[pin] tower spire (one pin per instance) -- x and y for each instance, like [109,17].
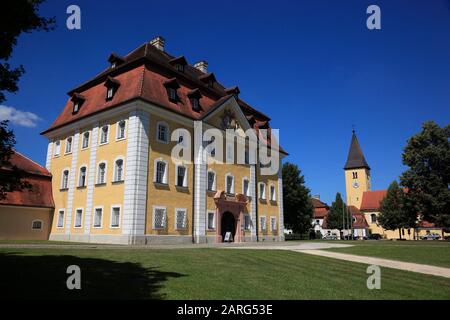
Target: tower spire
[355,158]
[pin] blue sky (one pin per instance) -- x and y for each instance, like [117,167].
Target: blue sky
[313,66]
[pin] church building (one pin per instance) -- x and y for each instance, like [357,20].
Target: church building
[115,179]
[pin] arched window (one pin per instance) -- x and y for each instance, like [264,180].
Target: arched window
[36,225]
[104,134]
[246,187]
[162,132]
[273,196]
[121,130]
[118,170]
[82,177]
[262,191]
[68,145]
[229,183]
[65,180]
[101,174]
[161,172]
[211,181]
[181,176]
[85,143]
[57,148]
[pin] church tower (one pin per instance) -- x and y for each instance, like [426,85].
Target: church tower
[357,174]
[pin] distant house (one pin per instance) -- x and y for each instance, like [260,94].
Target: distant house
[27,214]
[370,207]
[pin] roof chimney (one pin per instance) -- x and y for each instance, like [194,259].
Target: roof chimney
[202,66]
[158,43]
[316,196]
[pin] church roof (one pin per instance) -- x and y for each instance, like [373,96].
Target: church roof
[355,157]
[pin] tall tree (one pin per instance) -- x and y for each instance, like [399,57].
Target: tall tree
[339,215]
[298,209]
[393,213]
[11,178]
[427,154]
[17,16]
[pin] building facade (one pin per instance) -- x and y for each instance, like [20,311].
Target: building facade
[27,214]
[115,176]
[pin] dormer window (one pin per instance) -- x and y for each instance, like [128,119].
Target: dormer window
[194,97]
[179,67]
[208,78]
[172,94]
[77,100]
[111,85]
[178,63]
[115,60]
[172,86]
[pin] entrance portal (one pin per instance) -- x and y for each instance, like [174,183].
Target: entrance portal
[228,224]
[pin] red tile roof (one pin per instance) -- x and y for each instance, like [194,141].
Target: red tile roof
[371,200]
[40,194]
[142,75]
[360,221]
[318,204]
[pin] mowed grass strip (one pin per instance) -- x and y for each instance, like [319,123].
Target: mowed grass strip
[203,274]
[436,253]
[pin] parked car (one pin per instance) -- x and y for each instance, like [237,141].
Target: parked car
[374,236]
[431,236]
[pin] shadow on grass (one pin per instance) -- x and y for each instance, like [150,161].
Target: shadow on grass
[44,277]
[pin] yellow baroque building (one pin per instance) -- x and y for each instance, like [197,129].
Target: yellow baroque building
[115,179]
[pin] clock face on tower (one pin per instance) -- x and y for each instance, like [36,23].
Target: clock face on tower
[355,184]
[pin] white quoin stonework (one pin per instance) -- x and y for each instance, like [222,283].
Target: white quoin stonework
[199,185]
[72,176]
[48,162]
[91,179]
[252,187]
[135,198]
[280,203]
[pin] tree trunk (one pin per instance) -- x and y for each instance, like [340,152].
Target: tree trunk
[400,233]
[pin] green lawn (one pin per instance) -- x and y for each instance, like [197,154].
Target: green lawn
[202,274]
[426,252]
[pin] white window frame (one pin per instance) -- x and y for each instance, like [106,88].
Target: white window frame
[213,220]
[114,178]
[37,229]
[63,211]
[232,185]
[153,217]
[162,123]
[62,187]
[214,185]
[273,197]
[101,219]
[166,171]
[261,224]
[118,130]
[68,151]
[109,92]
[247,194]
[249,227]
[101,134]
[75,218]
[273,226]
[185,179]
[57,151]
[262,195]
[97,180]
[83,139]
[176,219]
[85,178]
[115,206]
